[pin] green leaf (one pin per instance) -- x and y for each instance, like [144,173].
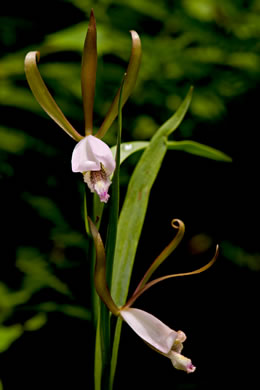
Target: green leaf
[115,352]
[136,201]
[72,310]
[133,213]
[128,148]
[38,273]
[35,322]
[12,141]
[199,150]
[98,358]
[8,334]
[43,96]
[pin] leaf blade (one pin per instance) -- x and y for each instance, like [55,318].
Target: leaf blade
[198,149]
[136,203]
[128,148]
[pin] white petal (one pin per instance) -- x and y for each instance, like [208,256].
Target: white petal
[102,153]
[89,153]
[83,159]
[150,329]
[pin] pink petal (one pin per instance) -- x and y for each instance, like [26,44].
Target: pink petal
[82,159]
[150,329]
[89,153]
[102,153]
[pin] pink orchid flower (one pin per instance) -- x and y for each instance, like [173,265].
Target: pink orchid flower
[152,331]
[91,156]
[158,336]
[94,159]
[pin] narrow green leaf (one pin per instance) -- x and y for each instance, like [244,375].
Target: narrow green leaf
[134,208]
[128,148]
[36,322]
[88,73]
[105,345]
[130,80]
[115,352]
[98,357]
[43,96]
[8,334]
[173,123]
[199,150]
[132,216]
[133,213]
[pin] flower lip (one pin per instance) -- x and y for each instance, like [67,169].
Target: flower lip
[98,182]
[180,362]
[150,329]
[90,153]
[158,336]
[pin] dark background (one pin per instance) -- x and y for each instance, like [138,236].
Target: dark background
[46,338]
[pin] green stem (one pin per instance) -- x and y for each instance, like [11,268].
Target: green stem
[114,206]
[97,212]
[105,345]
[86,212]
[116,342]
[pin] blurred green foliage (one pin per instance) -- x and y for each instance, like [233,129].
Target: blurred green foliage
[211,44]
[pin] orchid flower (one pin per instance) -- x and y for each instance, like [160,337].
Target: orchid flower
[94,159]
[158,336]
[150,329]
[91,156]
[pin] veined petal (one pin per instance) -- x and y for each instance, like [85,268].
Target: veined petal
[150,329]
[98,182]
[89,153]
